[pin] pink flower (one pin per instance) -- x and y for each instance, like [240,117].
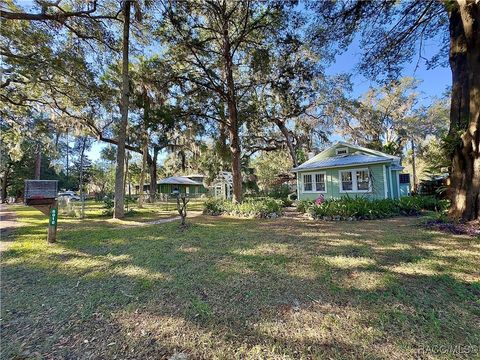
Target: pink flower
[319,200]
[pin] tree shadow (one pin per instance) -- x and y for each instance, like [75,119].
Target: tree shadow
[239,288]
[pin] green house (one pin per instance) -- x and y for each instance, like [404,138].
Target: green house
[182,184]
[349,170]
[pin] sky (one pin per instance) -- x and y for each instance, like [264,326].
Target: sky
[434,82]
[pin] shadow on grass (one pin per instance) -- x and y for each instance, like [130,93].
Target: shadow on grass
[245,288]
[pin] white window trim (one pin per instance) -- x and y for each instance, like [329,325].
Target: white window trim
[341,149]
[314,182]
[398,183]
[385,181]
[354,181]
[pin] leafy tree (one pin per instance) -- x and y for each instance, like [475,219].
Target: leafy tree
[392,34]
[294,97]
[379,117]
[214,44]
[102,180]
[269,166]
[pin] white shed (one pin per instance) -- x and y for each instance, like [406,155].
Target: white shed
[222,186]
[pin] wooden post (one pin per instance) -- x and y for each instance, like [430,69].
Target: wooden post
[52,222]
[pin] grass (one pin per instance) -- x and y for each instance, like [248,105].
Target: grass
[240,288]
[149,211]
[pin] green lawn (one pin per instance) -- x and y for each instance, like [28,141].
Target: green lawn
[149,212]
[240,288]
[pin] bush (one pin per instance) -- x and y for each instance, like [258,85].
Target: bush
[214,206]
[303,205]
[256,207]
[279,192]
[108,206]
[361,208]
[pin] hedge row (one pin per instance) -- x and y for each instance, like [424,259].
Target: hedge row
[258,208]
[362,208]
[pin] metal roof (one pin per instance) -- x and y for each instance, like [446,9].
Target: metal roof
[343,160]
[179,180]
[397,167]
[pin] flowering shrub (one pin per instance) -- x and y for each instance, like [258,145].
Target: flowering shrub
[320,200]
[258,208]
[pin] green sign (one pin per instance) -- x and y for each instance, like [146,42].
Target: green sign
[53,216]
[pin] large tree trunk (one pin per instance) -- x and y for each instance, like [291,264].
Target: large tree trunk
[414,166]
[152,165]
[236,163]
[125,178]
[5,183]
[465,110]
[68,163]
[38,162]
[82,198]
[286,133]
[232,118]
[119,210]
[144,167]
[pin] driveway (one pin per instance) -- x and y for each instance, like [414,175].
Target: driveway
[8,224]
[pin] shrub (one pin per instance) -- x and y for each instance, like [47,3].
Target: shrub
[279,192]
[363,208]
[303,205]
[213,206]
[108,206]
[256,207]
[292,196]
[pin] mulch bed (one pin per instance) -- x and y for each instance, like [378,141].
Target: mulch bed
[471,228]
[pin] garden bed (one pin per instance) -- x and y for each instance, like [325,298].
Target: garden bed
[353,209]
[470,228]
[251,208]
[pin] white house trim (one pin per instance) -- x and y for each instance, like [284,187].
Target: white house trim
[298,186]
[398,183]
[354,181]
[390,180]
[385,181]
[356,147]
[308,170]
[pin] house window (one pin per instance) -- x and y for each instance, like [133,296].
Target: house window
[320,182]
[342,151]
[404,178]
[307,182]
[347,181]
[363,180]
[314,182]
[357,180]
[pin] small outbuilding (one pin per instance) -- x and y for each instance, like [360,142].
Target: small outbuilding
[222,186]
[183,184]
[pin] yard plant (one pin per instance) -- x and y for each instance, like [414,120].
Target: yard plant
[253,207]
[361,208]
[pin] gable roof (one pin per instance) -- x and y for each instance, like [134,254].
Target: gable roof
[363,156]
[178,180]
[356,147]
[343,160]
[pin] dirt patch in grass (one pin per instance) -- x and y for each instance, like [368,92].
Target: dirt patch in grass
[470,228]
[240,288]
